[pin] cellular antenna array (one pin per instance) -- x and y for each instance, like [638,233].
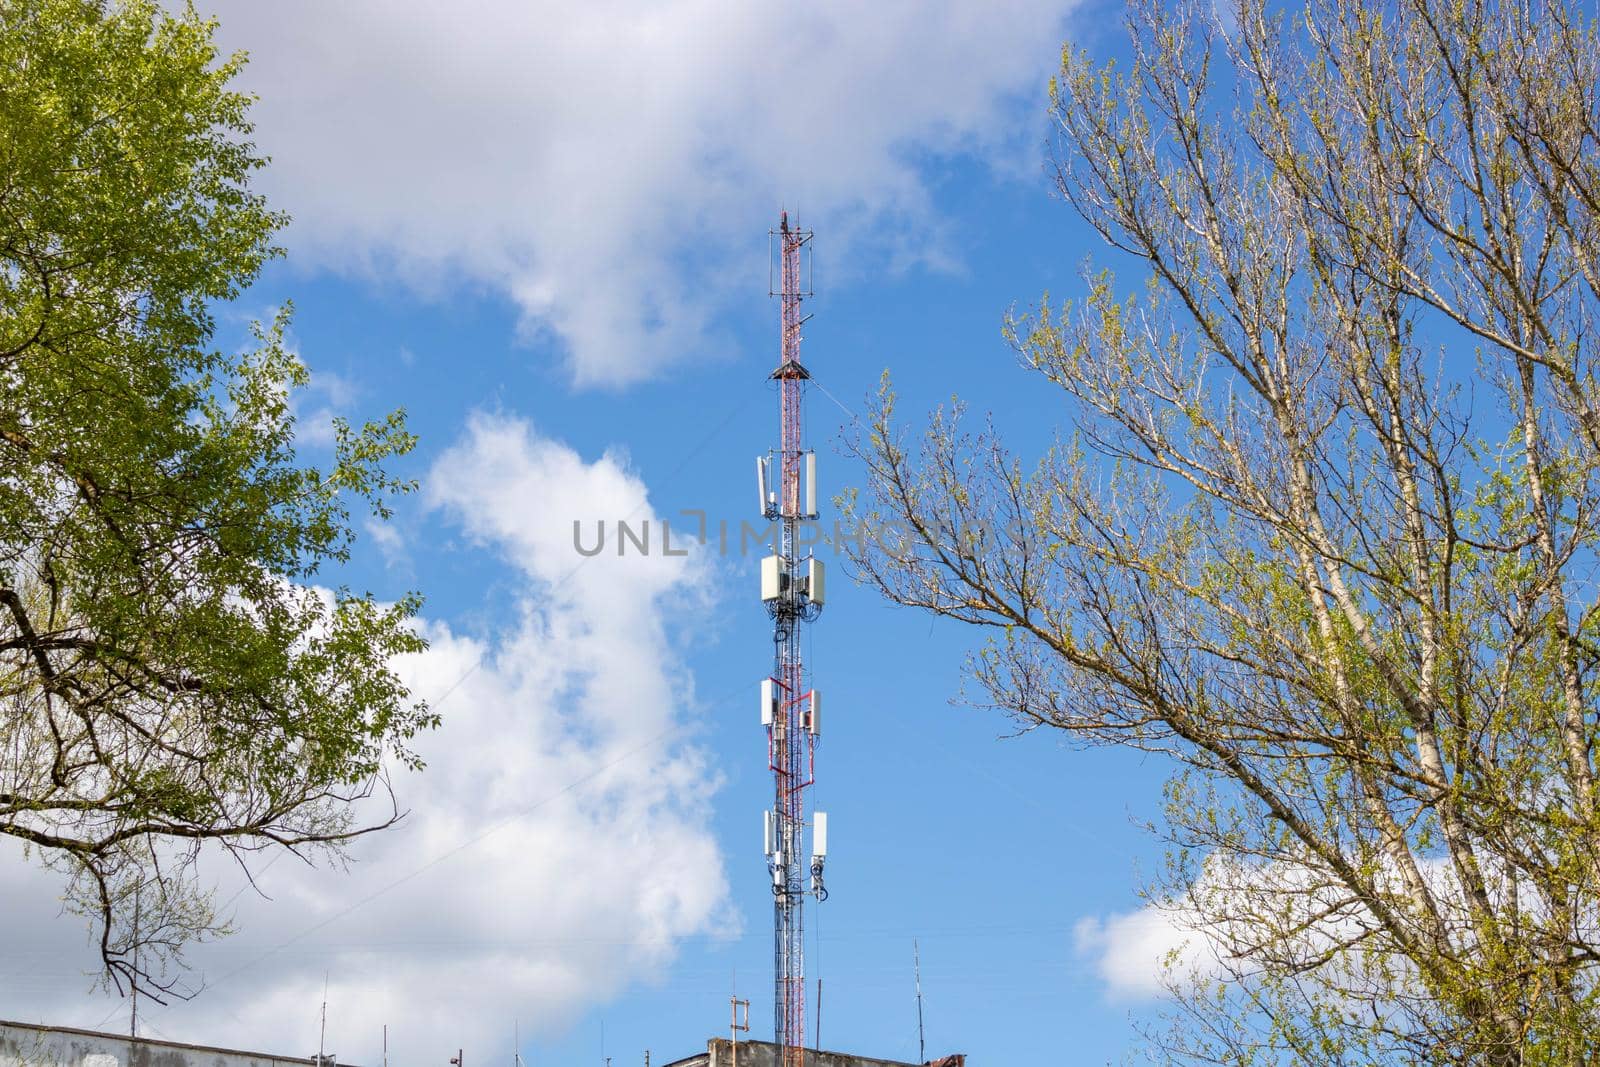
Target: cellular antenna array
[792,588]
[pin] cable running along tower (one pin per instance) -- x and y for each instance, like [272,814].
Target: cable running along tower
[793,591]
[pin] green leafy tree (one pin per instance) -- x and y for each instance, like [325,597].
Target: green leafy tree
[1325,530]
[171,678]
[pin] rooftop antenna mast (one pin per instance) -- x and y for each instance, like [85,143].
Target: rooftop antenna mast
[916,965]
[322,1028]
[792,590]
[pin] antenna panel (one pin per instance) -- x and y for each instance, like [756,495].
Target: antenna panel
[769,701]
[774,575]
[811,485]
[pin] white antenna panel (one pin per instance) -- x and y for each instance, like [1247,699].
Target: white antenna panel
[811,484]
[761,481]
[819,836]
[815,584]
[772,577]
[813,713]
[769,701]
[767,834]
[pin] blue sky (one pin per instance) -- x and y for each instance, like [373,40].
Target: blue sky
[566,290]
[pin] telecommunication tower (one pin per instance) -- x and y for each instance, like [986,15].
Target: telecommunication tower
[792,588]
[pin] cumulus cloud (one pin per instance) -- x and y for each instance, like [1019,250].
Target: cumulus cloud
[1133,951]
[610,166]
[326,397]
[557,847]
[1240,916]
[1232,907]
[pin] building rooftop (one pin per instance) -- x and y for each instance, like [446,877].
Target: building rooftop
[720,1053]
[31,1044]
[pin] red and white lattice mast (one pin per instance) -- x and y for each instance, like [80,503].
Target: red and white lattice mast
[792,590]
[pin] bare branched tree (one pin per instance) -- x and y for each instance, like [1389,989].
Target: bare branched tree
[1325,526]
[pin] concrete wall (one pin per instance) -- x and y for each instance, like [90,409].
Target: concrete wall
[719,1053]
[24,1045]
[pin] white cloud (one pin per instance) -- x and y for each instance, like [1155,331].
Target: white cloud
[390,542]
[1240,915]
[325,397]
[1133,950]
[557,849]
[610,166]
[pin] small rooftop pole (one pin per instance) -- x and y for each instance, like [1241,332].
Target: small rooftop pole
[916,965]
[817,1042]
[133,1020]
[322,1031]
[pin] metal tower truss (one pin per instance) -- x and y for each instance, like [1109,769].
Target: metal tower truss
[793,591]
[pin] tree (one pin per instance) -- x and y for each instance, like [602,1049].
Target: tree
[1325,529]
[172,681]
